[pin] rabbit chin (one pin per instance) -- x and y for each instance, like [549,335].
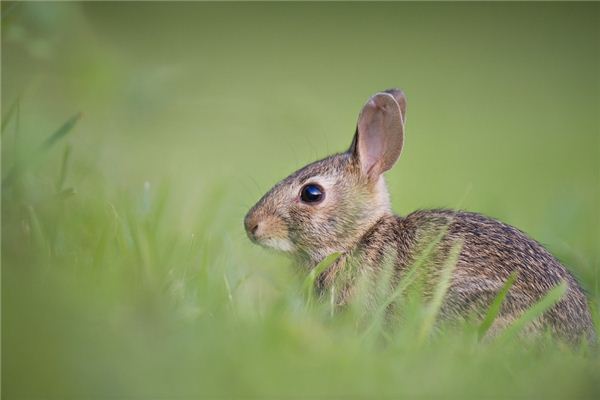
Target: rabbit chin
[279,244]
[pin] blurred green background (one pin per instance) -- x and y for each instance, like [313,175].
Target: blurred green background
[125,269]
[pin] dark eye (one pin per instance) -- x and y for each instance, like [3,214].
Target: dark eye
[312,193]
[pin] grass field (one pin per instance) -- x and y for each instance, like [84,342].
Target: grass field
[135,137]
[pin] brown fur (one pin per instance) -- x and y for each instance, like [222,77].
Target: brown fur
[355,220]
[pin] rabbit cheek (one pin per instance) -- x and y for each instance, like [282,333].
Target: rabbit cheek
[314,228]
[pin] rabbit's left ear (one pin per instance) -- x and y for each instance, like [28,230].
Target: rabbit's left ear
[380,132]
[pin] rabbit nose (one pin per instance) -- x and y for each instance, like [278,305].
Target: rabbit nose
[251,226]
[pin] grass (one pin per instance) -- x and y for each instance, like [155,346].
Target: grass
[125,269]
[494,308]
[105,299]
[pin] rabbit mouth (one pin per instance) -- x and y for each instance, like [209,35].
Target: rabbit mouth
[280,244]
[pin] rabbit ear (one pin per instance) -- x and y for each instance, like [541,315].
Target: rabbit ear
[380,132]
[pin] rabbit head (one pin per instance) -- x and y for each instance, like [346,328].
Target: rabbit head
[330,204]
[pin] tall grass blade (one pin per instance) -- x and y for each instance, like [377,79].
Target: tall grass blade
[64,167]
[309,281]
[441,289]
[37,232]
[426,254]
[407,280]
[332,301]
[32,159]
[550,299]
[494,308]
[61,132]
[384,289]
[141,247]
[14,109]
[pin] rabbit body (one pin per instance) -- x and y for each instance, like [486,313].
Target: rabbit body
[491,251]
[341,204]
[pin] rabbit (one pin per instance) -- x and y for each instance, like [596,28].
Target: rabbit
[340,204]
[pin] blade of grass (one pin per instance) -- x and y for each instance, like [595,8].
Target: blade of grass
[141,247]
[320,268]
[494,308]
[407,280]
[61,132]
[332,301]
[14,109]
[385,284]
[309,281]
[550,299]
[64,167]
[37,232]
[45,146]
[440,292]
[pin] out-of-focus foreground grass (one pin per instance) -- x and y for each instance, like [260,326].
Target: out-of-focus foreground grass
[125,269]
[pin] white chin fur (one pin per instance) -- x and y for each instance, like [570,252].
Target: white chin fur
[278,244]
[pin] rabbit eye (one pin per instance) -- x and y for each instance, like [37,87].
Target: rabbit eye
[312,193]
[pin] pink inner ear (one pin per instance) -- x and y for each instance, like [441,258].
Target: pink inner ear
[380,134]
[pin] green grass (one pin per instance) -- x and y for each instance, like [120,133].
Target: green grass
[126,272]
